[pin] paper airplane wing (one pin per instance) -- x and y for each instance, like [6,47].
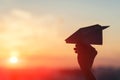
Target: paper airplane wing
[90,35]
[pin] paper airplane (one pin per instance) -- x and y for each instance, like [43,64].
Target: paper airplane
[90,35]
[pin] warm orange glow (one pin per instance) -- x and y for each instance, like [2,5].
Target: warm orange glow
[27,39]
[30,40]
[13,59]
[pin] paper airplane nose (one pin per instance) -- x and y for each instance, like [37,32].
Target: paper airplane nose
[104,27]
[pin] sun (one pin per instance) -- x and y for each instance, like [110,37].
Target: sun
[13,59]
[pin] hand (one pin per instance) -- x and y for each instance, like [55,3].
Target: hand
[84,48]
[80,48]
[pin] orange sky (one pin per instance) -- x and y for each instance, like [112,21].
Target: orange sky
[36,37]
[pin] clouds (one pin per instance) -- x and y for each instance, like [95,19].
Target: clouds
[24,30]
[29,34]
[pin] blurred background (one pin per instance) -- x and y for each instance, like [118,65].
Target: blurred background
[32,34]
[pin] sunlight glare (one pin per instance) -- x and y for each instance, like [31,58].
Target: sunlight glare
[13,59]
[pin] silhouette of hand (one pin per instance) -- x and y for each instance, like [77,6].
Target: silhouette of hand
[86,55]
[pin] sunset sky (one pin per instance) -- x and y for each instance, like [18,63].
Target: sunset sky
[32,32]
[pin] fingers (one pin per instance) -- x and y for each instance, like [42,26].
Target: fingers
[77,48]
[76,51]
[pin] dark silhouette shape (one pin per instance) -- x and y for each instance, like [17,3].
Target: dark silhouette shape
[86,54]
[83,38]
[89,35]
